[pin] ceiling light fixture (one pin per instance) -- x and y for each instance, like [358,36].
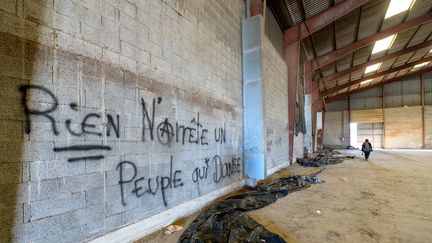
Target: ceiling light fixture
[383,44]
[372,68]
[397,6]
[366,81]
[421,64]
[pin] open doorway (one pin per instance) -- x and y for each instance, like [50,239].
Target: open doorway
[353,134]
[371,131]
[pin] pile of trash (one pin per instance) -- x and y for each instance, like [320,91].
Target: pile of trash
[226,221]
[323,157]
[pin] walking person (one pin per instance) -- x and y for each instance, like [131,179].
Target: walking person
[366,149]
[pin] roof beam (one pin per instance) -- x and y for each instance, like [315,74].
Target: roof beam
[339,53]
[376,75]
[400,78]
[348,71]
[319,21]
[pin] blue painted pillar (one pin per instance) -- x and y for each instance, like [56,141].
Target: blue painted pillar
[253,100]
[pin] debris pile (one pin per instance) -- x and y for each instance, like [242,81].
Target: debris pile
[226,221]
[323,157]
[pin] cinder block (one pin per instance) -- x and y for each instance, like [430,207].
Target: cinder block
[41,170]
[81,183]
[130,93]
[113,104]
[75,235]
[91,50]
[11,130]
[51,238]
[72,219]
[45,189]
[98,227]
[93,166]
[11,23]
[10,66]
[91,34]
[128,36]
[113,89]
[111,162]
[93,99]
[33,10]
[8,6]
[14,194]
[113,177]
[128,22]
[111,36]
[45,208]
[114,202]
[110,12]
[95,196]
[128,8]
[133,134]
[133,215]
[10,216]
[161,64]
[25,171]
[66,24]
[128,63]
[38,151]
[91,18]
[95,213]
[36,230]
[94,6]
[131,106]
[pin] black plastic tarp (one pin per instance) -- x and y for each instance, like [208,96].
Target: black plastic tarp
[226,221]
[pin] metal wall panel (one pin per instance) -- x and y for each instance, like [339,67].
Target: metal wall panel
[369,99]
[411,91]
[393,95]
[339,105]
[403,93]
[375,92]
[428,88]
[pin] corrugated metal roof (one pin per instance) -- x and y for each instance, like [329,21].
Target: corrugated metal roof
[357,25]
[291,12]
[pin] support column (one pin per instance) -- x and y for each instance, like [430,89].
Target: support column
[253,101]
[291,56]
[423,109]
[308,111]
[383,114]
[316,107]
[257,7]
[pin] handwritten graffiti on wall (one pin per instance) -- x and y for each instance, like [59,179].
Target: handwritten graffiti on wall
[165,132]
[86,125]
[172,180]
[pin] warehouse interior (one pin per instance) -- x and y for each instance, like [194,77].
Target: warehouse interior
[215,121]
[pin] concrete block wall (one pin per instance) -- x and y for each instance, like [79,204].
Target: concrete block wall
[427,123]
[403,127]
[114,110]
[298,145]
[275,76]
[336,129]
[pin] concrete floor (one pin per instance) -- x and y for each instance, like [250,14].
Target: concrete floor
[387,199]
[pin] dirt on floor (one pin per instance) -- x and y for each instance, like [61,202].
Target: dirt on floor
[387,199]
